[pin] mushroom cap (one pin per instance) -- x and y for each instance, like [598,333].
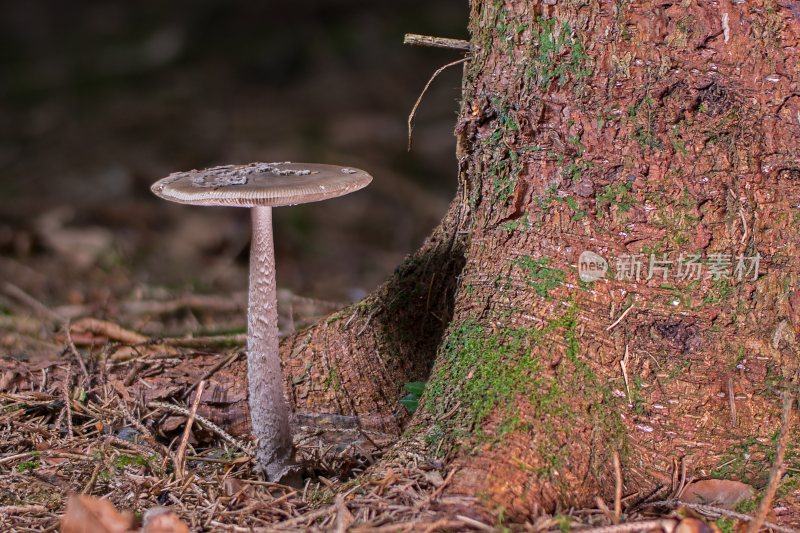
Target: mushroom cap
[260,184]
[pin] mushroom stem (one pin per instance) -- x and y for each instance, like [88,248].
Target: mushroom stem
[269,412]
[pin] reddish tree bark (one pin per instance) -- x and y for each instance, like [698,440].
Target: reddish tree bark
[619,128]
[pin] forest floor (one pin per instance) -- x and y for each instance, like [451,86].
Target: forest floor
[89,406]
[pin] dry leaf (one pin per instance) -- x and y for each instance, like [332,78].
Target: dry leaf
[121,389]
[171,423]
[237,490]
[231,486]
[719,492]
[86,514]
[107,329]
[694,525]
[162,520]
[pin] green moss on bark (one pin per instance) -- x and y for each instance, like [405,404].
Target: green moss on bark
[499,374]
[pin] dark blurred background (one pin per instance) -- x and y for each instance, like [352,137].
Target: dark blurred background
[100,99]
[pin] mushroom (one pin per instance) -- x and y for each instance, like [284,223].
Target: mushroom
[262,186]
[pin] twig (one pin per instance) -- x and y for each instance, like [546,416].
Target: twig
[732,401]
[778,466]
[180,456]
[435,494]
[146,434]
[624,365]
[621,317]
[34,304]
[93,479]
[207,423]
[617,488]
[12,458]
[682,483]
[419,100]
[369,439]
[443,524]
[474,523]
[437,42]
[303,518]
[744,224]
[267,484]
[201,459]
[22,509]
[374,312]
[67,402]
[133,373]
[76,354]
[667,524]
[138,448]
[115,332]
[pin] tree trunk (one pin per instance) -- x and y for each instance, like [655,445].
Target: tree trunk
[619,128]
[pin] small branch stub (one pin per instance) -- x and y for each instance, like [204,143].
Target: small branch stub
[437,42]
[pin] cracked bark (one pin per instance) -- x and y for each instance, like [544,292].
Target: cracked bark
[619,128]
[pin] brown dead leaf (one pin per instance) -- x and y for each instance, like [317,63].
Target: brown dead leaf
[86,514]
[171,423]
[719,492]
[121,389]
[233,487]
[107,329]
[162,520]
[695,525]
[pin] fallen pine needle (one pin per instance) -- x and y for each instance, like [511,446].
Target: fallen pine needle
[437,492]
[22,509]
[666,524]
[620,319]
[207,423]
[180,456]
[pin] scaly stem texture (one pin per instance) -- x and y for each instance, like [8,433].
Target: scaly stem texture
[268,409]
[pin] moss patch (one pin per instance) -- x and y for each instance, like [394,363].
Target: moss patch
[487,372]
[556,54]
[540,277]
[750,461]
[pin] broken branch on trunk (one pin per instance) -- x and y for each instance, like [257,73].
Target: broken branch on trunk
[437,42]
